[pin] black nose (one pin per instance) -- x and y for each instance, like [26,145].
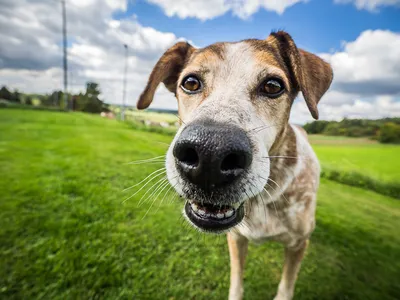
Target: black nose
[209,154]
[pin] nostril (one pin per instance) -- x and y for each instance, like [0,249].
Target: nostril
[234,161]
[188,156]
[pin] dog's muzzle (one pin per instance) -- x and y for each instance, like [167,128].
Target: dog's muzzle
[212,158]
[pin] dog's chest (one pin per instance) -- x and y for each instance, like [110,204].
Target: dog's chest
[263,223]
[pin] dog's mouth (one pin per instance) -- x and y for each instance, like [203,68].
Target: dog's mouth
[214,218]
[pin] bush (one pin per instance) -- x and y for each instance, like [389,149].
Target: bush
[316,127]
[28,100]
[391,189]
[358,128]
[390,133]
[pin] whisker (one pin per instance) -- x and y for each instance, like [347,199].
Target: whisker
[265,204]
[180,119]
[145,160]
[162,143]
[162,200]
[283,194]
[277,214]
[163,185]
[273,201]
[261,128]
[155,198]
[159,183]
[143,187]
[150,162]
[146,178]
[282,156]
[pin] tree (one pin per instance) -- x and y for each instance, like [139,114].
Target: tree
[316,127]
[28,100]
[90,102]
[5,94]
[17,96]
[390,133]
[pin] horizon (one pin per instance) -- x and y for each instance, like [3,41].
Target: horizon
[361,40]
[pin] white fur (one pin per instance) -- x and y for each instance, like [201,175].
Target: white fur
[227,101]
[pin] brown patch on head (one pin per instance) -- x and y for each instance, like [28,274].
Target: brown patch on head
[308,73]
[268,54]
[166,70]
[203,64]
[217,49]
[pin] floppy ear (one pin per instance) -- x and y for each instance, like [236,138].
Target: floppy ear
[167,70]
[310,74]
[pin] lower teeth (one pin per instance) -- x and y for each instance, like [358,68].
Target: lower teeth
[219,215]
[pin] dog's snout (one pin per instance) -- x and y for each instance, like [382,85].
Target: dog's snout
[211,155]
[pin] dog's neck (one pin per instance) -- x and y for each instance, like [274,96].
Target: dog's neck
[283,153]
[286,139]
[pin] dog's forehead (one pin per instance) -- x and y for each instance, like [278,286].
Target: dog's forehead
[251,51]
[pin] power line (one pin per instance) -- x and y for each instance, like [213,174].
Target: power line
[65,58]
[124,83]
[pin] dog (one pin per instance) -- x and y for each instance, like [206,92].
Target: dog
[242,168]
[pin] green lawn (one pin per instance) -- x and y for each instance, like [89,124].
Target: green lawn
[65,233]
[152,116]
[378,161]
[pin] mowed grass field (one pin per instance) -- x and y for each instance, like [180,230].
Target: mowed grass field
[65,232]
[378,161]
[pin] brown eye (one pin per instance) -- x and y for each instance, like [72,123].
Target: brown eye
[191,84]
[272,88]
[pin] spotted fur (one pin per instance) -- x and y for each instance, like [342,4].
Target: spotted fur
[279,190]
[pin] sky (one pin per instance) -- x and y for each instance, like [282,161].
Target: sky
[360,38]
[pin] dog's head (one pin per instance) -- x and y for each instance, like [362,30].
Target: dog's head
[234,102]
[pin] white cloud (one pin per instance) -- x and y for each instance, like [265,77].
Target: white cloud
[366,80]
[367,70]
[245,8]
[370,65]
[381,107]
[209,9]
[371,5]
[201,9]
[31,54]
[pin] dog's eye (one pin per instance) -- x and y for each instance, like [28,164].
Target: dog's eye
[191,84]
[272,87]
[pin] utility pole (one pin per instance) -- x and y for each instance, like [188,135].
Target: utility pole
[65,62]
[124,83]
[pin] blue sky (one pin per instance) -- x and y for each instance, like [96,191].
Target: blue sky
[359,38]
[318,25]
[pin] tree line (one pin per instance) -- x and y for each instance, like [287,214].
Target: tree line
[385,130]
[87,102]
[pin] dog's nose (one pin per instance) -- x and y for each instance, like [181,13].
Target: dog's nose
[209,155]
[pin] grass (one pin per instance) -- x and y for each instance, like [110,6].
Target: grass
[64,233]
[376,160]
[153,116]
[360,162]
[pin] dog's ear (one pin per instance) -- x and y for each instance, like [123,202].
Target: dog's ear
[167,70]
[310,74]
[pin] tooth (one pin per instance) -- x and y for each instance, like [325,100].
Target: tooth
[202,213]
[220,215]
[194,206]
[236,205]
[229,213]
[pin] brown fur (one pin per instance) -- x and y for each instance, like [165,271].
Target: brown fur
[309,73]
[167,70]
[293,180]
